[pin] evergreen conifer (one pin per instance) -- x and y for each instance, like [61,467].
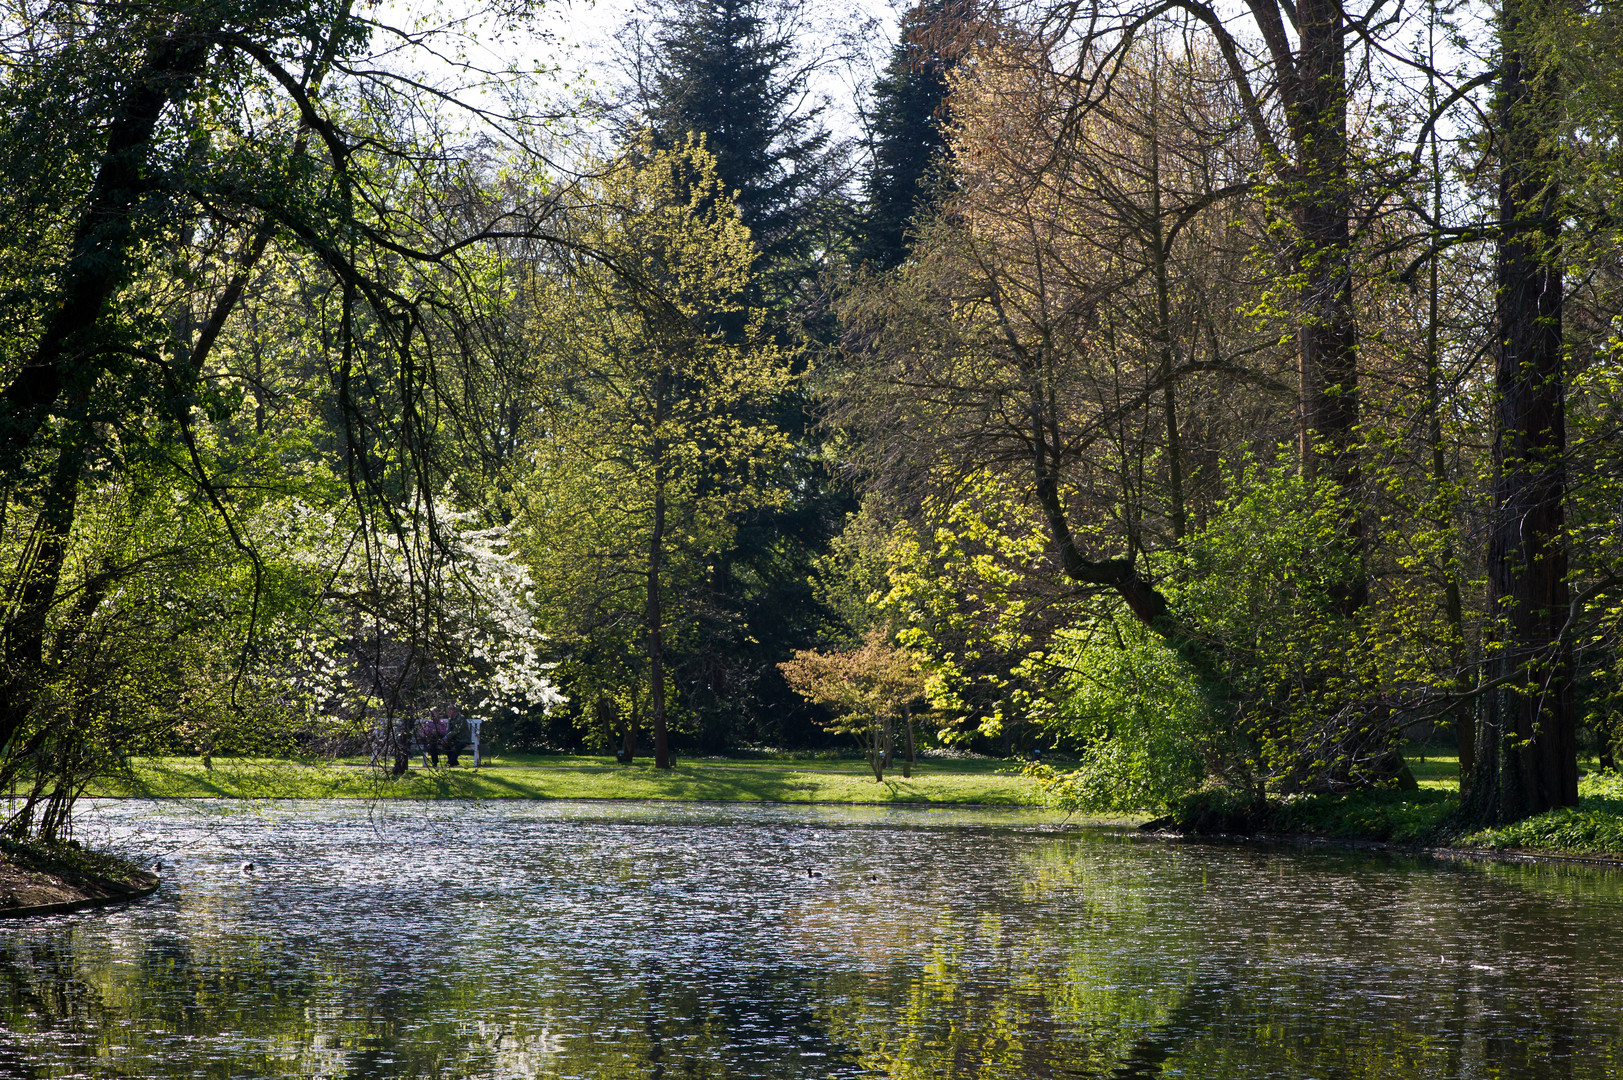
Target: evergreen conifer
[906,125]
[725,70]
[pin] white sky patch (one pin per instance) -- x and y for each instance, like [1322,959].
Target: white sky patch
[566,54]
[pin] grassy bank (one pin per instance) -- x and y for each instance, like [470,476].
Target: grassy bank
[39,877]
[1594,828]
[982,782]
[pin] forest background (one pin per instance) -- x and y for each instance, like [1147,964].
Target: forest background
[1212,394]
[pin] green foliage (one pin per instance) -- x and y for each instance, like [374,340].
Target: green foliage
[1123,698]
[725,75]
[869,689]
[908,119]
[956,592]
[978,783]
[1264,580]
[1398,817]
[1593,827]
[647,437]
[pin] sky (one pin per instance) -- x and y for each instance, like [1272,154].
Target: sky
[575,39]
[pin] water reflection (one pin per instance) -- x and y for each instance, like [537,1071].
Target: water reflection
[594,940]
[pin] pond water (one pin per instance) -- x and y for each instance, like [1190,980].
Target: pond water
[633,940]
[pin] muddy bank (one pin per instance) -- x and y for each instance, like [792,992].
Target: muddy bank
[38,879]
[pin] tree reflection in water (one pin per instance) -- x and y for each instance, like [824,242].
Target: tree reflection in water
[616,941]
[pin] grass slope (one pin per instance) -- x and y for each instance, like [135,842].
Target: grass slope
[43,875]
[991,783]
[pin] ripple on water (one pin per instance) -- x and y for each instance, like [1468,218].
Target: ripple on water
[602,939]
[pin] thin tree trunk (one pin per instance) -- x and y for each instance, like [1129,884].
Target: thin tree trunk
[607,713]
[41,573]
[1454,611]
[1526,743]
[1147,603]
[628,745]
[655,613]
[907,765]
[1163,337]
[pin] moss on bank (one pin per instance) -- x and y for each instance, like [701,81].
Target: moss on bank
[982,782]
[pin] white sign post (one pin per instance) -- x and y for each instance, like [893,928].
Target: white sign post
[473,729]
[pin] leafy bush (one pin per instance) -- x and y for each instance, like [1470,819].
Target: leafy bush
[1123,697]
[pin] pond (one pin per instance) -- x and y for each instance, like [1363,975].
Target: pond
[648,940]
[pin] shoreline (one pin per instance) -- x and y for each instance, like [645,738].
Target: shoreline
[63,878]
[1451,852]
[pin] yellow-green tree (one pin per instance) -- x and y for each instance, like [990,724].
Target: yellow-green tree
[649,435]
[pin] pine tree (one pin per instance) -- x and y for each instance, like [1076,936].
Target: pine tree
[906,123]
[724,70]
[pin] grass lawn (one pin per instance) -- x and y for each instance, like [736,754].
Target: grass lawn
[1593,828]
[981,782]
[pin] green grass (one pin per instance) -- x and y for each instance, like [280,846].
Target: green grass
[1593,827]
[992,783]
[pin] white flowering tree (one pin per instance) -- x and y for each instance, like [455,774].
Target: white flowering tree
[433,610]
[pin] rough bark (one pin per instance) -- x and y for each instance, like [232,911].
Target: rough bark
[1526,740]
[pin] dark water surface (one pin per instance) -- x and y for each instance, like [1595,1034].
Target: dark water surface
[636,940]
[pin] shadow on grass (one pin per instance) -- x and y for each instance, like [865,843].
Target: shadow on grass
[169,778]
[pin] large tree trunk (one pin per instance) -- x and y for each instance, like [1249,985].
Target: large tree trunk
[1327,341]
[1526,746]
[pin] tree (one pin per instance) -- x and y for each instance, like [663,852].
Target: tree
[1027,335]
[726,72]
[870,689]
[732,74]
[647,437]
[159,157]
[1526,740]
[907,120]
[1297,114]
